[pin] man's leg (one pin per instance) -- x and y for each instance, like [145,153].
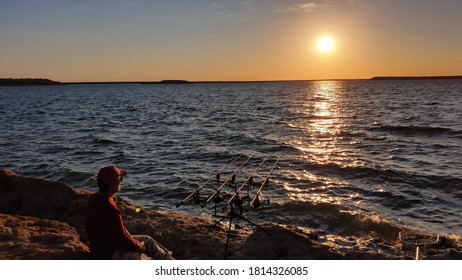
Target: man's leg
[154,249]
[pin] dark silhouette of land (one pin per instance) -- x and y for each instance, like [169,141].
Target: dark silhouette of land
[27,82]
[282,81]
[416,77]
[47,82]
[169,82]
[163,82]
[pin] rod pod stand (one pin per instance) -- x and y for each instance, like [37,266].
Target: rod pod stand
[232,215]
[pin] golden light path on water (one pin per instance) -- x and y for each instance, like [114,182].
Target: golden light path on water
[323,119]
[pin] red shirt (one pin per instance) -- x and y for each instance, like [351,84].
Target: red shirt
[105,229]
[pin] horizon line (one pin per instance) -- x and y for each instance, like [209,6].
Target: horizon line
[179,81]
[166,81]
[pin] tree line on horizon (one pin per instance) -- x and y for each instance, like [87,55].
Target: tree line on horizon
[27,82]
[46,82]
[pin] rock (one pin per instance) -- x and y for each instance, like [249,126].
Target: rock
[41,219]
[30,196]
[24,237]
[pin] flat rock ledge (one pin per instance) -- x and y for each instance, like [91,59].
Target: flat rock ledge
[41,219]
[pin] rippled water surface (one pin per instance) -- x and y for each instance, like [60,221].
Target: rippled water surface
[351,154]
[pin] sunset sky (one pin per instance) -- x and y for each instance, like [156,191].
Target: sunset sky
[220,40]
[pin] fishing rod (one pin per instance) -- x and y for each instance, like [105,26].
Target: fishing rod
[236,193]
[265,182]
[216,175]
[232,176]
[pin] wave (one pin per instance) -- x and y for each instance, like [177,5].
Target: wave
[446,183]
[86,152]
[417,130]
[104,141]
[334,219]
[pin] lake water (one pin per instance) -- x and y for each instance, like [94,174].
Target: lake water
[353,155]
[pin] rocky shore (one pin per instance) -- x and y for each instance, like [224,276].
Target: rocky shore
[42,219]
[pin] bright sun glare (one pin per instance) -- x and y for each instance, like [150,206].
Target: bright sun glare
[326,44]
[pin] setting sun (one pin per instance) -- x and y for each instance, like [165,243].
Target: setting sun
[326,44]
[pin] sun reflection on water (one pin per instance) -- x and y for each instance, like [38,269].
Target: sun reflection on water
[322,123]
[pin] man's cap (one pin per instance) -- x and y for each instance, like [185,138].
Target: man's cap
[109,174]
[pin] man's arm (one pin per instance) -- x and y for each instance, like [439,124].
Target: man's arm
[122,236]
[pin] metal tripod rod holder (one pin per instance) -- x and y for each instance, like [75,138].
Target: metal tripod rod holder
[216,175]
[236,193]
[265,182]
[232,215]
[227,180]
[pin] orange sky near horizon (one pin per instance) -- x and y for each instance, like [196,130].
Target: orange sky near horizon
[205,40]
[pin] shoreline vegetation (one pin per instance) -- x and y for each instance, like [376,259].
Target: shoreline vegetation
[48,82]
[28,82]
[42,219]
[416,78]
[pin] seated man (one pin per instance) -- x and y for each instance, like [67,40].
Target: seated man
[105,229]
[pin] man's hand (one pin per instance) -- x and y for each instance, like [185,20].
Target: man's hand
[141,247]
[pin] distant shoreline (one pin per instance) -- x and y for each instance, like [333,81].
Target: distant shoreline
[416,78]
[47,82]
[28,82]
